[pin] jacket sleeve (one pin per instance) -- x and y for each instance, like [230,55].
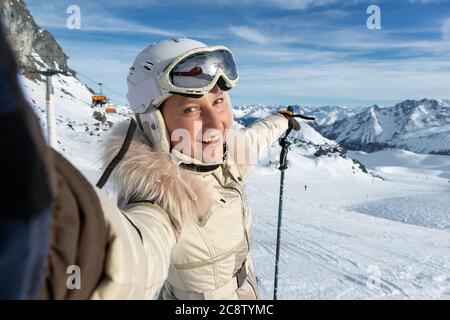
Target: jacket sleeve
[26,188]
[140,240]
[251,143]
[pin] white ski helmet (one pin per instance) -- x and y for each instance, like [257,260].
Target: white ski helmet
[146,95]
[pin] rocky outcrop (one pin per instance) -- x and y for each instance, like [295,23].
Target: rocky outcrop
[35,48]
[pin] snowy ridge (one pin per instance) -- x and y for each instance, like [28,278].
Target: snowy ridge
[246,115]
[324,115]
[420,126]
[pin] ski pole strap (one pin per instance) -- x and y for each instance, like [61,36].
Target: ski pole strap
[304,117]
[120,155]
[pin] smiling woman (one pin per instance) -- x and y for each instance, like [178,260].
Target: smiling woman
[182,226]
[180,184]
[197,126]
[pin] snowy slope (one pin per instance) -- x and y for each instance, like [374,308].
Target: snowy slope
[351,235]
[79,133]
[308,134]
[420,126]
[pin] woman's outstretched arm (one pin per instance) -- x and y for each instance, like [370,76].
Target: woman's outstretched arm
[249,144]
[60,237]
[140,240]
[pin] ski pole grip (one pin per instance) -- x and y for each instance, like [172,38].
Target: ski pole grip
[283,155]
[283,162]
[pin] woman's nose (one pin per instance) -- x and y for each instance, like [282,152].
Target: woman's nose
[212,119]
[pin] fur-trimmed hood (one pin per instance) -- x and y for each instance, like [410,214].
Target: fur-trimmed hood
[144,174]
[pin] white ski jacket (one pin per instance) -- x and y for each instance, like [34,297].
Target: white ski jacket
[179,233]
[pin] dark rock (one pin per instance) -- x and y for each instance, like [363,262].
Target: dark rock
[99,116]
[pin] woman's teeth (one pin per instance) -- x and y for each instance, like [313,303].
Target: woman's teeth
[211,139]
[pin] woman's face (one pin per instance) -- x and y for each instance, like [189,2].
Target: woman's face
[197,126]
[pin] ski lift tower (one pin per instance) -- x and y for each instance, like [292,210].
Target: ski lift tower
[49,103]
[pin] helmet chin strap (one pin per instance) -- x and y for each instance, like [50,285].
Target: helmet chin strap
[177,159]
[186,160]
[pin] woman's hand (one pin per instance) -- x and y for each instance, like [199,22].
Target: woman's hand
[293,124]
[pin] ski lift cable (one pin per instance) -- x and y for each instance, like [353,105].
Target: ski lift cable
[103,86]
[83,75]
[43,72]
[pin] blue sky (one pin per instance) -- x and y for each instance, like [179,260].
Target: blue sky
[307,52]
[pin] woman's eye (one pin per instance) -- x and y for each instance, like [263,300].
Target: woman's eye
[219,101]
[190,110]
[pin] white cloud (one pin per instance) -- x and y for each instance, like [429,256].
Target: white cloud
[425,1]
[390,80]
[281,4]
[94,18]
[296,59]
[113,24]
[95,22]
[250,34]
[292,4]
[302,4]
[357,39]
[446,29]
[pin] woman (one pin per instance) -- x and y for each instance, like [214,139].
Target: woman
[185,222]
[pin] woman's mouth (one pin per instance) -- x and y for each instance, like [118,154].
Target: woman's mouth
[211,141]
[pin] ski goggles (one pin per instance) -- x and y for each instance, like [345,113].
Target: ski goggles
[197,71]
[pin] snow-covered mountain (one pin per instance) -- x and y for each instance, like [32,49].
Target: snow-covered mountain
[324,115]
[420,126]
[246,115]
[307,143]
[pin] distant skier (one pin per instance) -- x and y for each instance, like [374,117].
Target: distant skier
[306,187]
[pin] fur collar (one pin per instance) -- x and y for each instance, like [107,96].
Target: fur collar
[147,175]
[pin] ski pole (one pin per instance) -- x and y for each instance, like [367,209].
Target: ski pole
[284,143]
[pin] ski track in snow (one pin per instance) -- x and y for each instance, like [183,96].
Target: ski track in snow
[430,211]
[351,248]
